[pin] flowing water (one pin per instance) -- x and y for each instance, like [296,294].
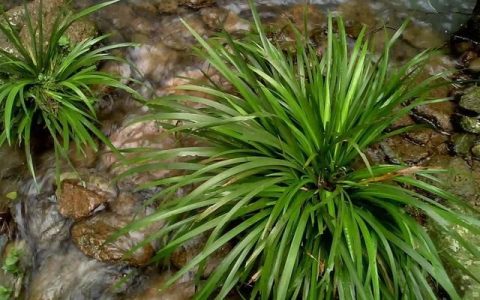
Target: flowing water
[54,266]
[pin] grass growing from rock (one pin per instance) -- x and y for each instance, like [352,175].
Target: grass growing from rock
[48,84]
[277,180]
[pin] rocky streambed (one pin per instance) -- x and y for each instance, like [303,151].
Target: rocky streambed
[56,238]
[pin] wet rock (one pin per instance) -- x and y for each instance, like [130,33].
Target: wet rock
[422,37]
[85,159]
[122,14]
[462,143]
[438,114]
[177,36]
[474,65]
[399,150]
[78,199]
[41,224]
[183,289]
[124,205]
[281,31]
[68,274]
[427,137]
[357,13]
[192,248]
[154,61]
[463,181]
[77,202]
[91,235]
[470,124]
[235,24]
[214,17]
[471,99]
[80,31]
[166,6]
[145,134]
[196,4]
[476,150]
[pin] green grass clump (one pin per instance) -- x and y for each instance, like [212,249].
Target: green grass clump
[277,180]
[46,84]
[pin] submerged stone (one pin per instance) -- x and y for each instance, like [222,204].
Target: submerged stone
[91,237]
[462,143]
[470,124]
[471,99]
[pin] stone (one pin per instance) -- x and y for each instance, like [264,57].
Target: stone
[78,199]
[197,4]
[399,150]
[176,36]
[470,124]
[91,235]
[470,100]
[77,202]
[214,17]
[474,65]
[80,31]
[437,114]
[428,137]
[462,143]
[166,6]
[82,160]
[476,150]
[41,223]
[422,37]
[357,13]
[234,24]
[154,62]
[124,205]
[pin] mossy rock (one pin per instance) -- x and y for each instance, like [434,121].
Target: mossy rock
[461,181]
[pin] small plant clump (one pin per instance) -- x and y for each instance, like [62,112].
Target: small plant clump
[277,180]
[46,84]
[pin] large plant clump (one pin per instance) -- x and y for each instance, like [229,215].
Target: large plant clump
[48,84]
[277,180]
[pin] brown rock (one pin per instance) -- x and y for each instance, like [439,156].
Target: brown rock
[235,24]
[176,36]
[357,13]
[474,65]
[166,6]
[76,201]
[124,205]
[214,17]
[91,235]
[196,4]
[422,37]
[84,159]
[399,150]
[439,114]
[427,137]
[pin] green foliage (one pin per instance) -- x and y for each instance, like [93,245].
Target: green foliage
[12,262]
[277,180]
[5,293]
[48,85]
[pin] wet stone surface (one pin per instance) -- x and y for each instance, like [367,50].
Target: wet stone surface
[91,237]
[94,267]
